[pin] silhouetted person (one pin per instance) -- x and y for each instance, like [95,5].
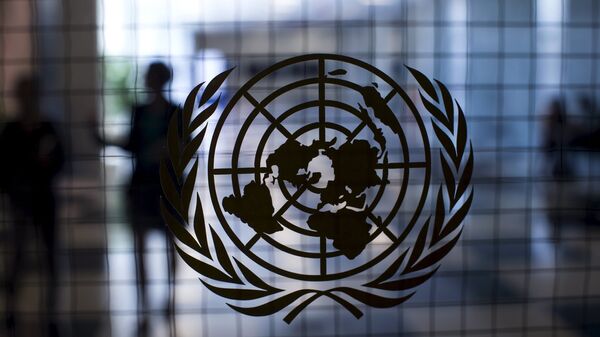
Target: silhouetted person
[556,139]
[587,140]
[146,142]
[32,156]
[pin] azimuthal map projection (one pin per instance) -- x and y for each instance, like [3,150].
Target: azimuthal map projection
[318,170]
[342,179]
[320,184]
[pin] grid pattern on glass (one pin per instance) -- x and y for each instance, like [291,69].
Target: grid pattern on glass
[528,261]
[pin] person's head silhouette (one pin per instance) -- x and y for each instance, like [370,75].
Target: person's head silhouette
[157,76]
[28,94]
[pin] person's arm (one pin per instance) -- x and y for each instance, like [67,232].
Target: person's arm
[126,144]
[132,143]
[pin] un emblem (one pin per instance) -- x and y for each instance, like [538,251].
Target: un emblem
[324,180]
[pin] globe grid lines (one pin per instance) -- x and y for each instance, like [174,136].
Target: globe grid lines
[276,123]
[292,199]
[350,136]
[258,170]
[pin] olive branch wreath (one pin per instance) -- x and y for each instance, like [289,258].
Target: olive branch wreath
[413,266]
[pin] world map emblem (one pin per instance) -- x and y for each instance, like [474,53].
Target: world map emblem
[322,178]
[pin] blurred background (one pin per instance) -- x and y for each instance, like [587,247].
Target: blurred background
[526,73]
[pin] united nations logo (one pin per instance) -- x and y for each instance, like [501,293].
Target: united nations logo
[324,180]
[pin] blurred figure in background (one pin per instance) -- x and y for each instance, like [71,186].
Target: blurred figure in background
[147,139]
[556,138]
[587,141]
[557,135]
[564,143]
[32,156]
